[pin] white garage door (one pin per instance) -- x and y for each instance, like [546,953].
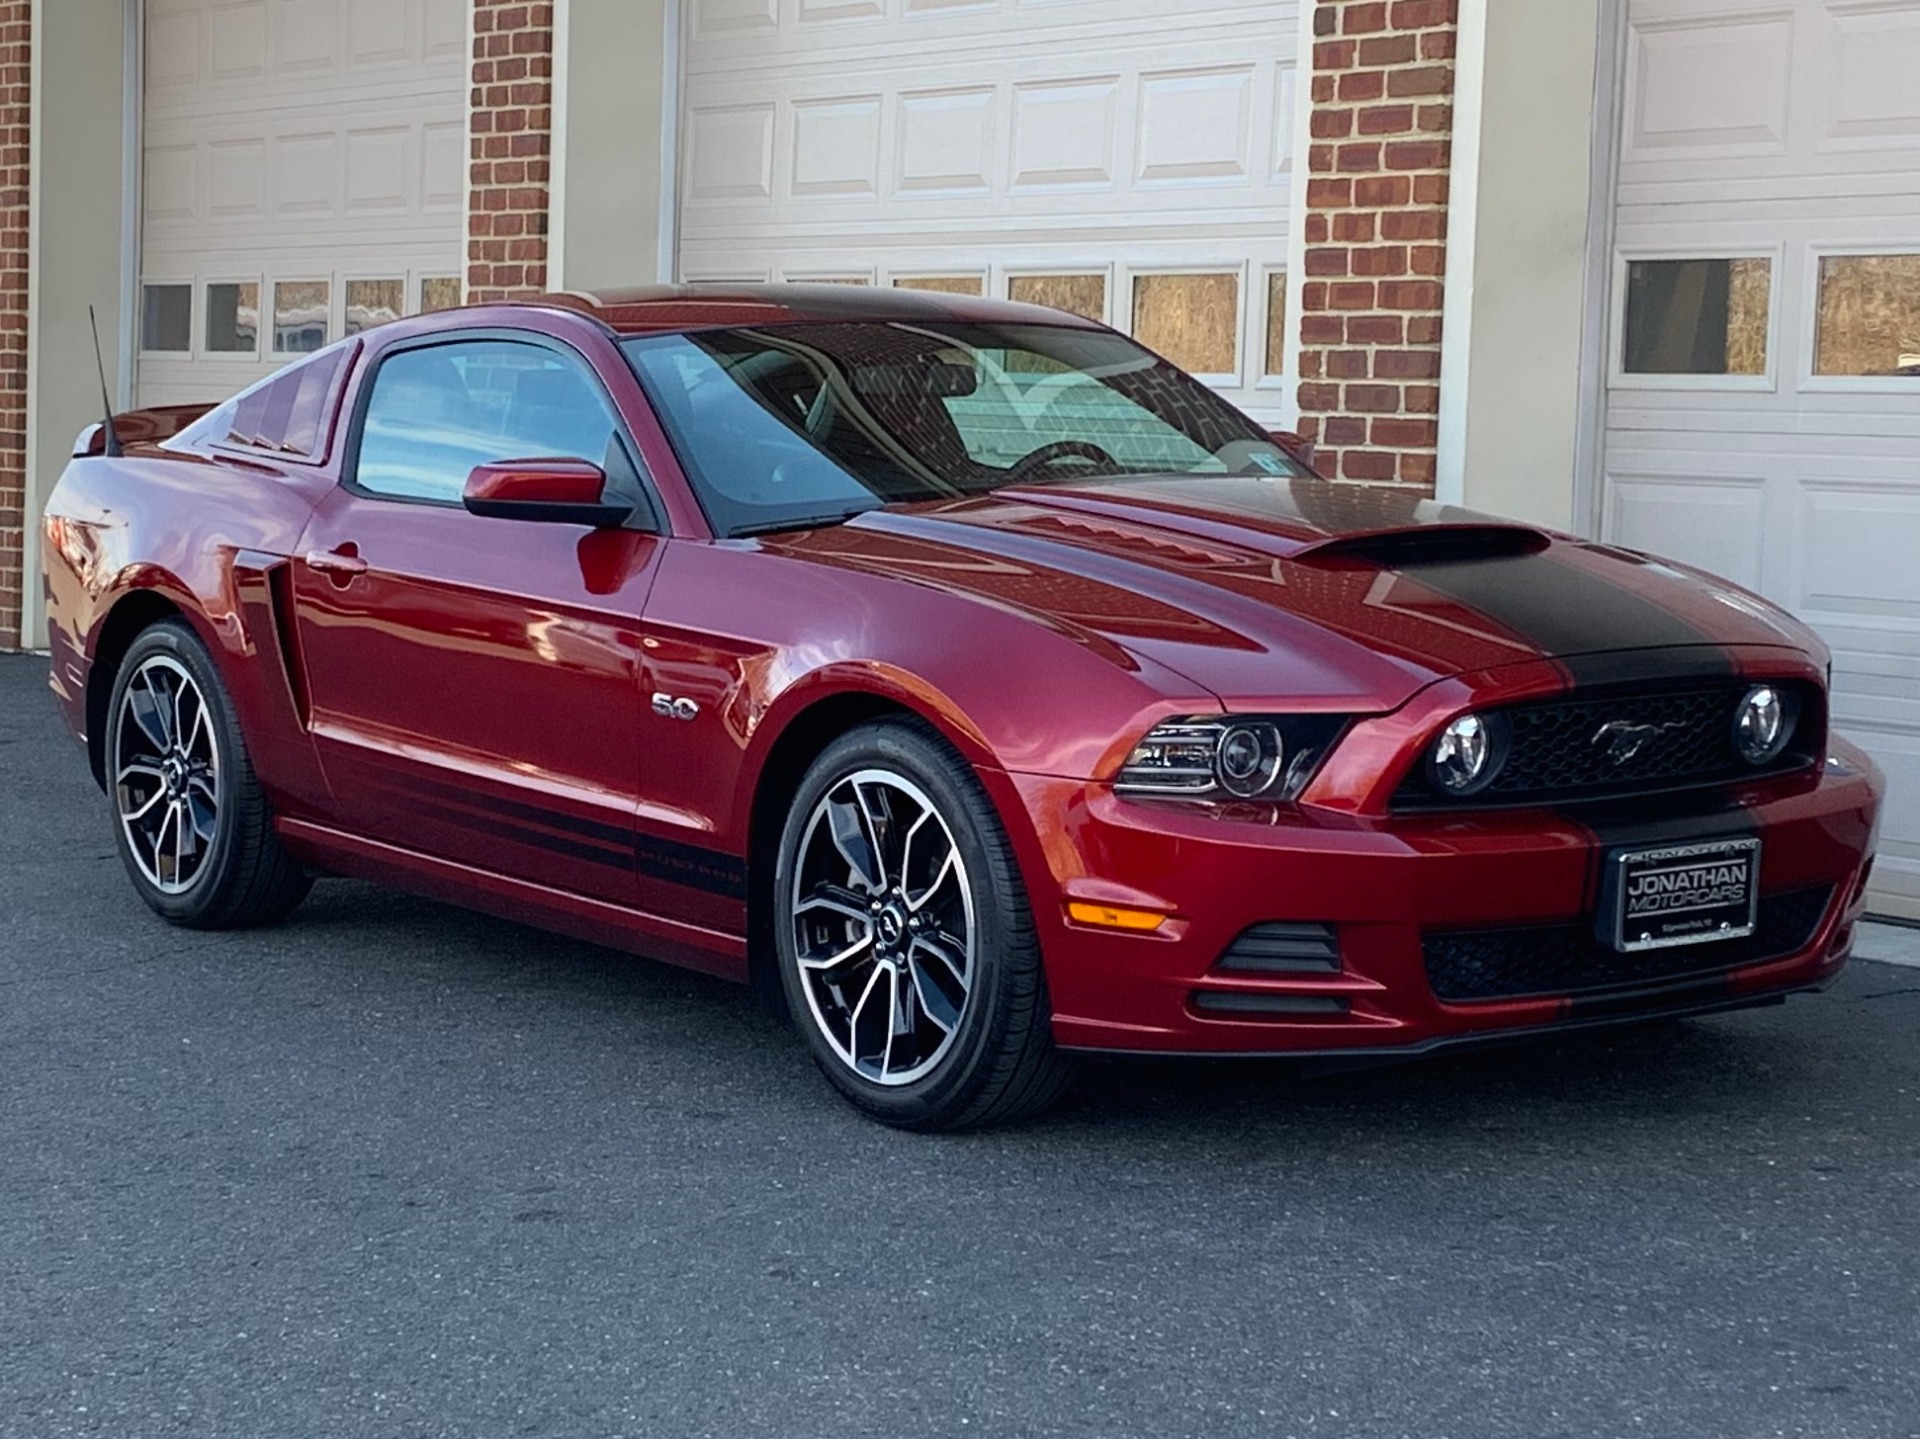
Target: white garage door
[304,166]
[1764,411]
[1130,159]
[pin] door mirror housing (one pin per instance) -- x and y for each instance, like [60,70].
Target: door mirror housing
[558,491]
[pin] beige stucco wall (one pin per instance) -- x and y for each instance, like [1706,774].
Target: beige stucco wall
[77,251]
[1518,256]
[612,128]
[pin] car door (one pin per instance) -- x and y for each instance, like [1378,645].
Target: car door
[473,681]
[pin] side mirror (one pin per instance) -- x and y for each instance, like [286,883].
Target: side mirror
[559,491]
[1298,448]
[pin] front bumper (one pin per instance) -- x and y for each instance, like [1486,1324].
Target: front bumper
[1385,887]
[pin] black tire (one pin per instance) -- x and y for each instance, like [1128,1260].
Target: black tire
[998,1062]
[240,877]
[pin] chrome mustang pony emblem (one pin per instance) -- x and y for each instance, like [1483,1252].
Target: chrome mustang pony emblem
[1624,741]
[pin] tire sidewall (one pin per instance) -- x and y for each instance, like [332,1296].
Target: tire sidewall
[997,897]
[174,640]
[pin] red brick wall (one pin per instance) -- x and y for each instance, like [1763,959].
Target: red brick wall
[510,120]
[1376,224]
[16,116]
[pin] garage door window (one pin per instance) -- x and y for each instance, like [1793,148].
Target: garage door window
[166,319]
[1192,320]
[439,292]
[300,316]
[941,284]
[233,318]
[1697,317]
[1276,323]
[438,413]
[1083,295]
[1869,321]
[374,302]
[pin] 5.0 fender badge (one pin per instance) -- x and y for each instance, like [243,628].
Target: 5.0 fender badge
[668,707]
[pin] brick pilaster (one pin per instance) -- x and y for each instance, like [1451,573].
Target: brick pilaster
[16,118]
[510,122]
[1376,231]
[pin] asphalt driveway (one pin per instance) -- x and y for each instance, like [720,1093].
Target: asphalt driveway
[393,1169]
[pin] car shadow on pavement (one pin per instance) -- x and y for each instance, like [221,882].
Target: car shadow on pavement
[1688,1069]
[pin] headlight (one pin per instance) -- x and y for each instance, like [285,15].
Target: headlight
[1231,757]
[1763,724]
[1468,755]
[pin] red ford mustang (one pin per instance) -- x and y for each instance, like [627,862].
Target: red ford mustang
[959,672]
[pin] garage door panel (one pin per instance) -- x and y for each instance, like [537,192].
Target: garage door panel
[723,19]
[729,153]
[309,36]
[236,178]
[379,170]
[836,147]
[377,32]
[1897,870]
[239,42]
[1064,134]
[1195,127]
[818,12]
[1860,552]
[1719,525]
[297,140]
[174,50]
[945,142]
[983,143]
[1791,128]
[1874,100]
[443,165]
[1712,82]
[446,29]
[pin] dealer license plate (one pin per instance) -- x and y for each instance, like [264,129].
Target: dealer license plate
[1685,894]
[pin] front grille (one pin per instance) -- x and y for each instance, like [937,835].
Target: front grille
[1464,966]
[1555,752]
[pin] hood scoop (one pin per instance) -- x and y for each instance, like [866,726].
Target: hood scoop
[1417,545]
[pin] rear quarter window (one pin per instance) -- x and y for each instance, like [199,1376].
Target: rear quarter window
[288,415]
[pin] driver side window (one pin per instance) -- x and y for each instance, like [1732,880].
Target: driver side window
[438,412]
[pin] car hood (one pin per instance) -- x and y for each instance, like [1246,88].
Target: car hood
[1306,590]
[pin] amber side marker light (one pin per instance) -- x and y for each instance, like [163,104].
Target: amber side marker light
[1104,916]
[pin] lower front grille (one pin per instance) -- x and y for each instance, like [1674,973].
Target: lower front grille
[1464,966]
[1279,948]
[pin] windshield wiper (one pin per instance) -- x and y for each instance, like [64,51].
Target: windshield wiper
[800,522]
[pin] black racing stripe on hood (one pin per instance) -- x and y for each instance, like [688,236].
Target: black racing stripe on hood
[1574,616]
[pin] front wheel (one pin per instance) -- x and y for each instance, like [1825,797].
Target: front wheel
[906,943]
[192,826]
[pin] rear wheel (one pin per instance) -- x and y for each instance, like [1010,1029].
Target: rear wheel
[907,948]
[191,824]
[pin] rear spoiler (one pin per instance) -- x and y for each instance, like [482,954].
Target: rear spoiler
[1428,544]
[139,427]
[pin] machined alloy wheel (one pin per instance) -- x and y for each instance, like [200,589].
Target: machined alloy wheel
[166,779]
[192,823]
[883,928]
[907,948]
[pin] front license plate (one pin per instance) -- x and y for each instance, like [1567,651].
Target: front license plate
[1685,894]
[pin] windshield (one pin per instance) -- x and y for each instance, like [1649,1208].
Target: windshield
[800,424]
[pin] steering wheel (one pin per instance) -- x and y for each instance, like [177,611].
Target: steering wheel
[1054,453]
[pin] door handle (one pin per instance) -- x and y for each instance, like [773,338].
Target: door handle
[339,565]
